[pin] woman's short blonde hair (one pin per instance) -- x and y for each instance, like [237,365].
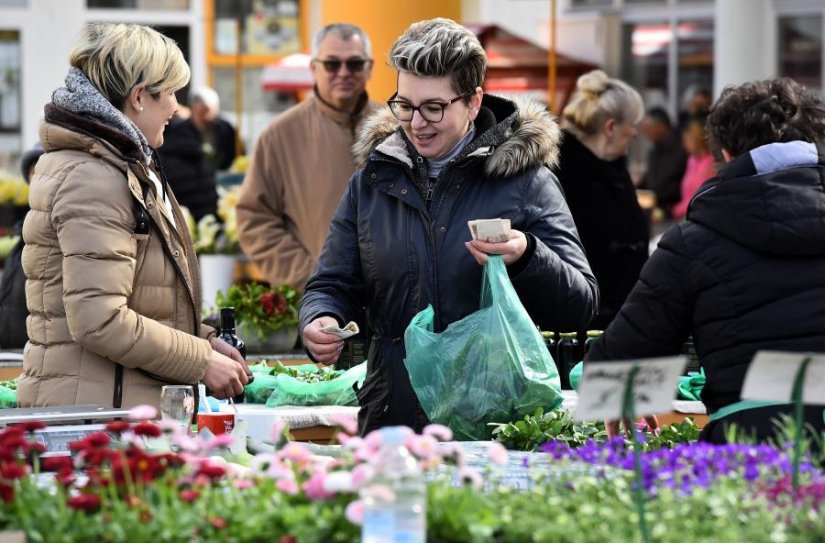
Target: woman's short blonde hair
[117,57]
[599,98]
[439,47]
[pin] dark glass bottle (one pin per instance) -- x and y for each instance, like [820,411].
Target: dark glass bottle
[568,347]
[227,333]
[592,335]
[689,350]
[550,343]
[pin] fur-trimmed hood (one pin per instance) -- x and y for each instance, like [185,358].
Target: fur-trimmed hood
[512,135]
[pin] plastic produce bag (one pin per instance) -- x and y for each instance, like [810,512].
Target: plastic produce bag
[258,391]
[338,391]
[8,398]
[491,366]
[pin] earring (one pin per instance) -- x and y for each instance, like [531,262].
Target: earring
[140,109]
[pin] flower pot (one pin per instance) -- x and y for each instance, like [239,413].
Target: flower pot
[217,274]
[277,342]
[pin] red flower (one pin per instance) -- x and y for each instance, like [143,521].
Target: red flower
[273,303]
[118,426]
[32,448]
[288,539]
[65,477]
[189,495]
[213,471]
[6,493]
[31,426]
[11,472]
[147,429]
[97,440]
[218,522]
[85,502]
[56,463]
[12,441]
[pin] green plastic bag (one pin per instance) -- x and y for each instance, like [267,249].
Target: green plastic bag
[690,386]
[575,375]
[8,398]
[288,390]
[491,366]
[261,387]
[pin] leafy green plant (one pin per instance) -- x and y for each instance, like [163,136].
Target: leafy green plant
[529,433]
[262,309]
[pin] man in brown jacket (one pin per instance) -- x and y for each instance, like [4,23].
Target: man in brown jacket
[302,162]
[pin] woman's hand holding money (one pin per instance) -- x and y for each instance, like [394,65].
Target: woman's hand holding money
[510,250]
[323,346]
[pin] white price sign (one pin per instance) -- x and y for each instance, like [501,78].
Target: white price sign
[771,375]
[602,388]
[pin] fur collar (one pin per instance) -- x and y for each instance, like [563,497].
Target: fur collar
[119,143]
[522,135]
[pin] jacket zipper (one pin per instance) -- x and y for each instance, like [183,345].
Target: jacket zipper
[168,252]
[117,400]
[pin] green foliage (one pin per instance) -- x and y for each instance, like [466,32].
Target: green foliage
[529,433]
[307,373]
[262,309]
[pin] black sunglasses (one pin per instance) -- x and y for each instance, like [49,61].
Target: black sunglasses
[354,65]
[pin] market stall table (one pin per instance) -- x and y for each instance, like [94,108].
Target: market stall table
[313,423]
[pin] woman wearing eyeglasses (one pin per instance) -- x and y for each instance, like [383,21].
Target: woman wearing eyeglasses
[442,154]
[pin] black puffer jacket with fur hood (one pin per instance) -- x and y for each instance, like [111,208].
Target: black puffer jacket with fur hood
[393,253]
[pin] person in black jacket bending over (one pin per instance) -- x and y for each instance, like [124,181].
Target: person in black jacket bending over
[442,154]
[746,270]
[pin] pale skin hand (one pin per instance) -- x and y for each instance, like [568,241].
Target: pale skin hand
[612,426]
[510,250]
[325,348]
[228,350]
[225,377]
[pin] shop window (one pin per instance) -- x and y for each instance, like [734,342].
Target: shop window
[267,27]
[10,102]
[167,5]
[800,50]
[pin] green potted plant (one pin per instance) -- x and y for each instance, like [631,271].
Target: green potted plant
[266,317]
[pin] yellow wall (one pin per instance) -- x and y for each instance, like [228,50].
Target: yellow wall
[383,22]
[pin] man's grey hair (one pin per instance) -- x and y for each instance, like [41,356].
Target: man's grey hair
[345,31]
[439,47]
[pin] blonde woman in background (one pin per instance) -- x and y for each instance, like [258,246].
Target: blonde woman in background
[112,278]
[598,125]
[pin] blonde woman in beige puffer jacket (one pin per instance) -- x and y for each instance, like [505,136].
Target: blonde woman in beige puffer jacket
[114,305]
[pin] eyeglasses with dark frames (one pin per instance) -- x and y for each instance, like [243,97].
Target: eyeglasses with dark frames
[432,111]
[354,65]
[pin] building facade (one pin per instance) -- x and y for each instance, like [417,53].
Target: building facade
[665,48]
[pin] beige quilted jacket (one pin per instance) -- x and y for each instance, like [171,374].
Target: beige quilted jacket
[114,314]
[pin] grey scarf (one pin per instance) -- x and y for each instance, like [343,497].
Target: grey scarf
[81,97]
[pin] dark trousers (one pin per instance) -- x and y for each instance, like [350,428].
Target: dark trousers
[761,423]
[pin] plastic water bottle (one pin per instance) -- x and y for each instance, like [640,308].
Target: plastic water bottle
[400,515]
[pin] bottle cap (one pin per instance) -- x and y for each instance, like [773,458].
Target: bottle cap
[594,333]
[394,435]
[548,335]
[568,335]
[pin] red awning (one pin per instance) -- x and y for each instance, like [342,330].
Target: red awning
[290,73]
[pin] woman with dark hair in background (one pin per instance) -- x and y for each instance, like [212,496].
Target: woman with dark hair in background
[746,271]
